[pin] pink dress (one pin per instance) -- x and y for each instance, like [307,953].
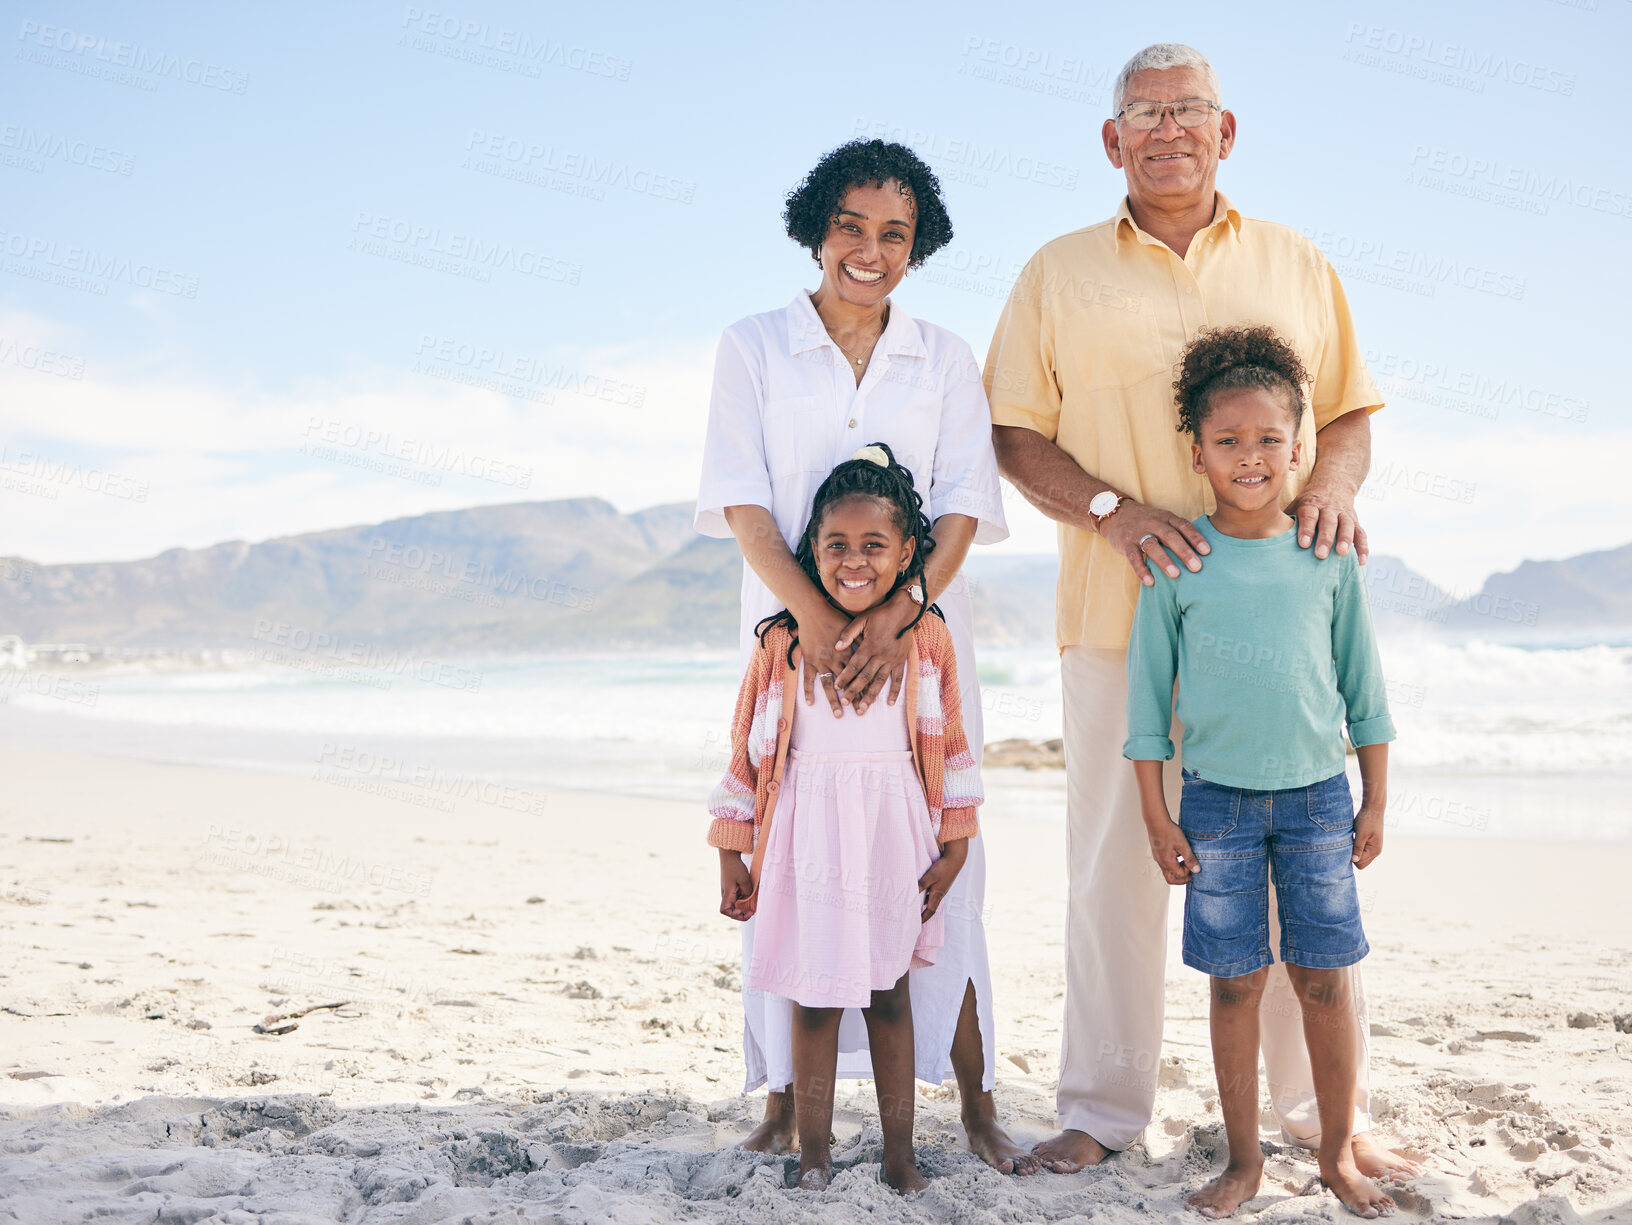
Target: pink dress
[839,903]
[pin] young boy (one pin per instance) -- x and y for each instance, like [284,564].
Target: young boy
[1272,651]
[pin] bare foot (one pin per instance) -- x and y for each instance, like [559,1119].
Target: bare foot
[1234,1187]
[775,1133]
[989,1142]
[1070,1151]
[817,1178]
[1359,1194]
[904,1177]
[1375,1161]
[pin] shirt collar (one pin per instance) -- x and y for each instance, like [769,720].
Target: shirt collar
[1224,213]
[902,336]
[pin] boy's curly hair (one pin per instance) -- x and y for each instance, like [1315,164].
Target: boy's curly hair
[1226,358]
[813,205]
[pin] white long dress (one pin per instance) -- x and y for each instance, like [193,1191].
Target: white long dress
[785,411]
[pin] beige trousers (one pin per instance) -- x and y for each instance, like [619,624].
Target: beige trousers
[1116,937]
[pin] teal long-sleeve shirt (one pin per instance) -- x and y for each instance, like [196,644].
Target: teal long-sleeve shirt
[1273,652]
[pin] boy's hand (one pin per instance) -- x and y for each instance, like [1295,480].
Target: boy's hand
[736,888]
[1368,835]
[937,882]
[1171,850]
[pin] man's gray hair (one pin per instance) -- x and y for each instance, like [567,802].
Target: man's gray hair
[1164,55]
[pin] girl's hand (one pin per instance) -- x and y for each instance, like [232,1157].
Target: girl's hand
[1171,850]
[937,882]
[818,634]
[736,888]
[877,656]
[1368,835]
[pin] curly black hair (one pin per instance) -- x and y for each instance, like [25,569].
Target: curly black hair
[814,204]
[1223,359]
[891,484]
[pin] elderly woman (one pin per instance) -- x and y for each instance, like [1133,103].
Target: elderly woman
[796,391]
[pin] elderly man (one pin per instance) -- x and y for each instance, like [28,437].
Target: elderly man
[1080,380]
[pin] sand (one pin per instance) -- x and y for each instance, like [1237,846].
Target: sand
[538,1019]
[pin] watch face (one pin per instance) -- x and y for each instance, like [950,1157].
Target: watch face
[1103,503]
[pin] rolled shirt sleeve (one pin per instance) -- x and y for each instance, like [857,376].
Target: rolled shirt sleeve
[1020,366]
[964,479]
[735,469]
[1359,666]
[1153,664]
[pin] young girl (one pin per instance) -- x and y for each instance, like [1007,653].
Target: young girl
[1273,654]
[857,826]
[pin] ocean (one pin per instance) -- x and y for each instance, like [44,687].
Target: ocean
[1495,740]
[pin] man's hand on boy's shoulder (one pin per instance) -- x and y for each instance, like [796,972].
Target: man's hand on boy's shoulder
[1368,835]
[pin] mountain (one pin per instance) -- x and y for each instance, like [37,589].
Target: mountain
[578,574]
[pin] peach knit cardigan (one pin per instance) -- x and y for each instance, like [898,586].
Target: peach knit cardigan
[948,770]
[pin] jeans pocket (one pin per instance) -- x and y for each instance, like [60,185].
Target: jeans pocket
[1207,810]
[1331,806]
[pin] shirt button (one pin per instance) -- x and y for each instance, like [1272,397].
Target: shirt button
[852,423]
[772,785]
[781,725]
[1188,289]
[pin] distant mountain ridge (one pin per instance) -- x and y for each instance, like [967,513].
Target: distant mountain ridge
[578,574]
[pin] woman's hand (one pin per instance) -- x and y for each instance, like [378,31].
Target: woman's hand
[736,888]
[937,882]
[819,631]
[876,655]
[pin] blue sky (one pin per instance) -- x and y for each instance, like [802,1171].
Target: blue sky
[265,271]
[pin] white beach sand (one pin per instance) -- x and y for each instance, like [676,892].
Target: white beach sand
[540,1019]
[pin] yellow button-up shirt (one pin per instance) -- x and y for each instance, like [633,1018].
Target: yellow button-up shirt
[1087,350]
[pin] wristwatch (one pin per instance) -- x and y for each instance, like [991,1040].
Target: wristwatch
[916,591]
[1104,504]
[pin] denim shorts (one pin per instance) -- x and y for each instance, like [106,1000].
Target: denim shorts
[1304,837]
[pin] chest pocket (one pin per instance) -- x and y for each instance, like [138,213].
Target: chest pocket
[798,435]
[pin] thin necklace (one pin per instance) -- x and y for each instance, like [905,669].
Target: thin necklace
[851,355]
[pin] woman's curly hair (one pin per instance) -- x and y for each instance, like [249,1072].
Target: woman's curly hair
[1223,359]
[814,205]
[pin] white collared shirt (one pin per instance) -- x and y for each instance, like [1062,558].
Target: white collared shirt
[786,409]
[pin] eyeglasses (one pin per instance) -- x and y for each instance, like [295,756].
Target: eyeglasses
[1187,113]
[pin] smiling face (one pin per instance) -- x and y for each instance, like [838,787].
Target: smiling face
[1170,166]
[860,551]
[1246,447]
[868,243]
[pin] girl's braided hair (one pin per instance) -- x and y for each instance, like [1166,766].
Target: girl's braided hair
[890,483]
[1223,359]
